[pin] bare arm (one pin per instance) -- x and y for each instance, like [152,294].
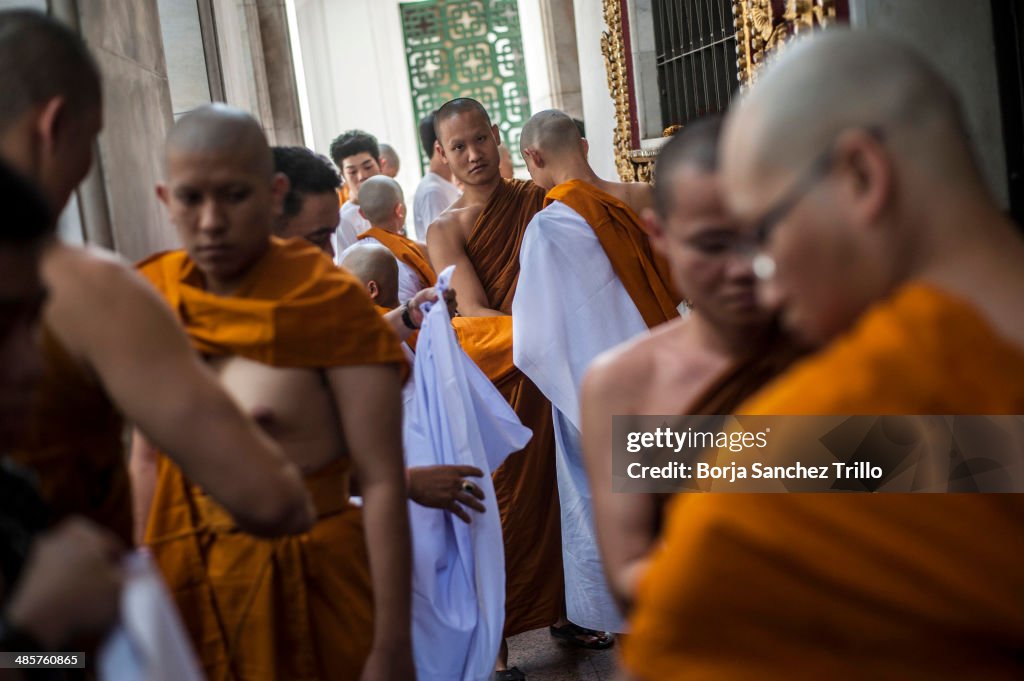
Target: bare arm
[142,464]
[625,522]
[447,246]
[368,399]
[119,325]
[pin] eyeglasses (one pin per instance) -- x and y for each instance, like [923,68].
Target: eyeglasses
[764,264]
[814,174]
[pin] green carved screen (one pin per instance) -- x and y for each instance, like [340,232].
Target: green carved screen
[468,48]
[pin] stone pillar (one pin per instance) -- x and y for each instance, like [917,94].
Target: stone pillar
[559,21]
[256,62]
[117,203]
[958,37]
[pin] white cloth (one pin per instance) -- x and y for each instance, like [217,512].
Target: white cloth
[569,307]
[433,195]
[457,417]
[350,225]
[149,643]
[409,283]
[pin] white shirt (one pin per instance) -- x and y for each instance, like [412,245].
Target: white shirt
[433,195]
[409,283]
[352,224]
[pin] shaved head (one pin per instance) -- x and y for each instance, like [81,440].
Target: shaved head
[839,161]
[373,263]
[222,129]
[799,104]
[696,147]
[551,131]
[378,197]
[389,161]
[457,107]
[40,59]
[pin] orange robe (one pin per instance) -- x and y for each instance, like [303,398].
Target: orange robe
[299,607]
[643,274]
[525,485]
[407,251]
[342,194]
[75,445]
[850,586]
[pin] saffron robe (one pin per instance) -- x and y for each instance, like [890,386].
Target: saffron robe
[852,586]
[415,272]
[75,445]
[588,282]
[298,607]
[525,485]
[456,417]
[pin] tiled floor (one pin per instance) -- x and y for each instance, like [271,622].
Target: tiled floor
[542,658]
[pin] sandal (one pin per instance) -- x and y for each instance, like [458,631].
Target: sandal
[573,633]
[512,674]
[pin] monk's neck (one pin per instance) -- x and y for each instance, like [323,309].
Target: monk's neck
[575,171]
[393,229]
[227,284]
[480,193]
[727,341]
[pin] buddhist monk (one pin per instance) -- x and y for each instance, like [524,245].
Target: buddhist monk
[481,234]
[389,161]
[685,365]
[297,342]
[432,486]
[61,582]
[588,238]
[435,192]
[357,155]
[107,339]
[383,205]
[880,244]
[310,208]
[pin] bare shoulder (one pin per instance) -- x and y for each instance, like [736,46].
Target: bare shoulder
[619,377]
[639,196]
[80,275]
[93,292]
[454,224]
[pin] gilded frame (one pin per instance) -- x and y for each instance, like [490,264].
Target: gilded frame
[762,27]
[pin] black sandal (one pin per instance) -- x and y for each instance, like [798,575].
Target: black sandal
[512,674]
[572,633]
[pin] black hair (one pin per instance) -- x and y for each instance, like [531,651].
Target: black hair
[307,173]
[354,142]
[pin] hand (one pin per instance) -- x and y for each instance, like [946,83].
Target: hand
[429,295]
[390,664]
[70,585]
[442,487]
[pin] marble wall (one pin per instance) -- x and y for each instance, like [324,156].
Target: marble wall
[598,108]
[118,204]
[958,37]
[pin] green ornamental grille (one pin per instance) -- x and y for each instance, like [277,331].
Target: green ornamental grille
[468,48]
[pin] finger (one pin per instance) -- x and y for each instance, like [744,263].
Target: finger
[470,501]
[469,470]
[460,512]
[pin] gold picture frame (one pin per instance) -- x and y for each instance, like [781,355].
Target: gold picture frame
[761,28]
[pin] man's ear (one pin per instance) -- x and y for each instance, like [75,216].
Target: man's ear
[50,123]
[279,186]
[163,193]
[655,230]
[373,289]
[497,135]
[400,210]
[869,170]
[535,157]
[586,146]
[438,149]
[363,215]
